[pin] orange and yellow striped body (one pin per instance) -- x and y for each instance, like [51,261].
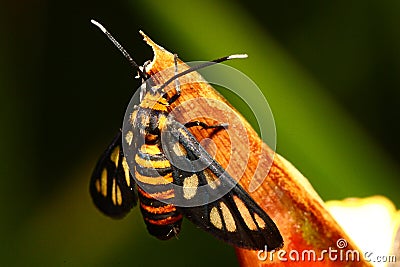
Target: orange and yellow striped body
[153,170]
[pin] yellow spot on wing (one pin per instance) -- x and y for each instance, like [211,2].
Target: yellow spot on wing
[113,196]
[115,156]
[215,218]
[119,196]
[129,137]
[97,184]
[183,132]
[228,218]
[104,182]
[116,195]
[126,171]
[260,222]
[212,180]
[179,150]
[244,212]
[133,118]
[190,185]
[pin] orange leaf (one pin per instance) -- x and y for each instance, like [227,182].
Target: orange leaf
[287,197]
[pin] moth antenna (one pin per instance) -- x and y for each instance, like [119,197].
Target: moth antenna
[120,48]
[201,66]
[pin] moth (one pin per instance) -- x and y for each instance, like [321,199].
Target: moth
[148,176]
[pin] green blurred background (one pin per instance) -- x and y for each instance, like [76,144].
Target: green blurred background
[329,71]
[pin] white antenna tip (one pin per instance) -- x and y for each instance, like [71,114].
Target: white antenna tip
[237,56]
[98,25]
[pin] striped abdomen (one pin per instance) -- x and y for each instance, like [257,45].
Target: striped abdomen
[154,174]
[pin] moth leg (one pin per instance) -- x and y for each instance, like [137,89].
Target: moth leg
[177,83]
[175,231]
[145,65]
[205,126]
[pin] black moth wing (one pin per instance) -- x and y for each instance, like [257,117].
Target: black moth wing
[112,186]
[234,217]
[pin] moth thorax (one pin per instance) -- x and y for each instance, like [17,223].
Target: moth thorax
[151,138]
